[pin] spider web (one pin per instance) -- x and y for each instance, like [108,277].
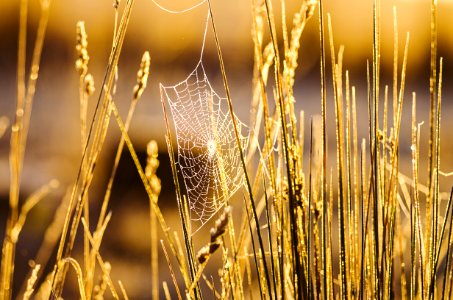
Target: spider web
[208,156]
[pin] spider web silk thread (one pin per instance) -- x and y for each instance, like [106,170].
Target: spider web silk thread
[178,11]
[207,151]
[208,157]
[187,10]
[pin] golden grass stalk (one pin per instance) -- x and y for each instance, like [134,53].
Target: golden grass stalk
[19,133]
[182,209]
[241,153]
[142,77]
[86,81]
[31,202]
[374,148]
[298,268]
[95,242]
[50,239]
[415,155]
[172,273]
[83,180]
[448,266]
[151,166]
[123,290]
[31,282]
[436,242]
[151,195]
[79,273]
[86,88]
[101,287]
[432,93]
[166,290]
[323,171]
[216,233]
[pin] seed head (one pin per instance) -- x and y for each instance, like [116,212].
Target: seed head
[152,163]
[203,254]
[216,232]
[89,84]
[220,225]
[142,75]
[81,64]
[311,6]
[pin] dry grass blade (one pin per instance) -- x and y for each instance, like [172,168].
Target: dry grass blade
[173,277]
[31,202]
[324,145]
[448,255]
[236,132]
[79,197]
[182,209]
[19,133]
[31,282]
[151,194]
[123,290]
[95,242]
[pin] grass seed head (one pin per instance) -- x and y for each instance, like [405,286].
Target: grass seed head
[142,76]
[81,48]
[89,84]
[220,225]
[101,287]
[216,232]
[152,163]
[31,282]
[311,6]
[203,254]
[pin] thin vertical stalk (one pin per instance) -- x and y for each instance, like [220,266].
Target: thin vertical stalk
[395,63]
[450,244]
[363,220]
[298,270]
[73,217]
[375,141]
[435,188]
[324,146]
[181,208]
[269,232]
[356,194]
[260,285]
[230,106]
[415,152]
[338,99]
[19,133]
[9,247]
[310,201]
[432,94]
[349,210]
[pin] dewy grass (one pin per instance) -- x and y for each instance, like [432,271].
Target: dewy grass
[19,132]
[322,231]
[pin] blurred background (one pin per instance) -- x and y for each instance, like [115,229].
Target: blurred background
[174,42]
